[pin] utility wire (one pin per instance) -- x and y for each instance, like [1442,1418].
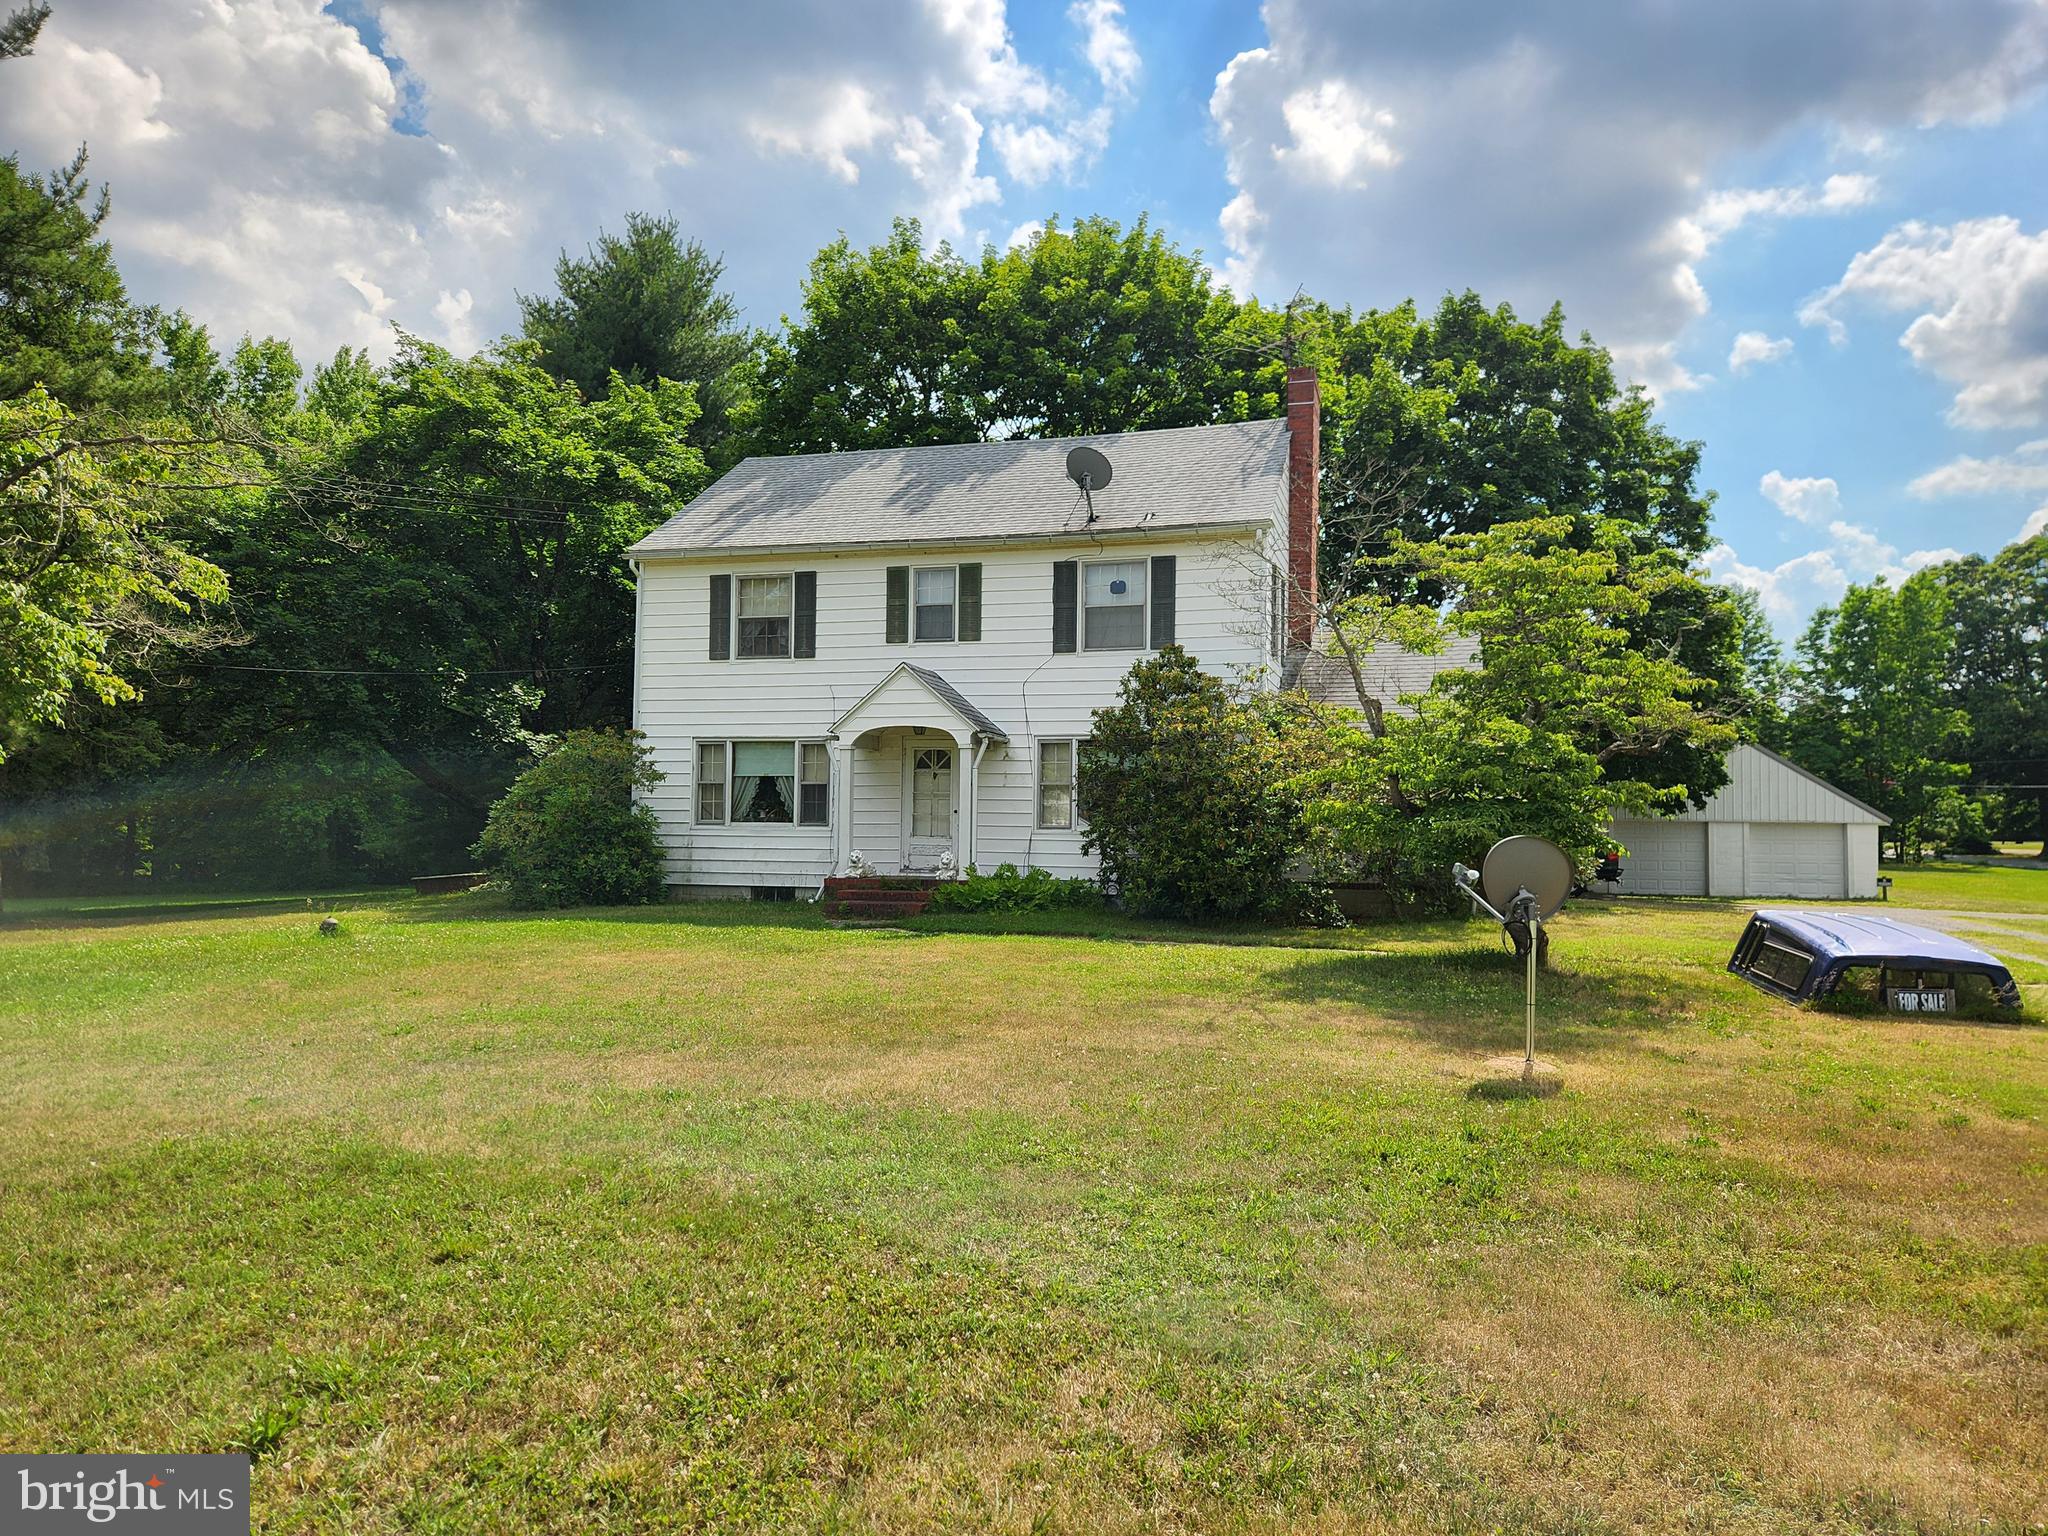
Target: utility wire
[228,666]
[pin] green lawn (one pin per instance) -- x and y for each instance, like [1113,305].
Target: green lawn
[1970,887]
[722,1218]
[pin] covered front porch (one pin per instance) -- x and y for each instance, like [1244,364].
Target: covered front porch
[908,762]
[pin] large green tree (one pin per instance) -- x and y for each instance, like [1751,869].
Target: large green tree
[645,305]
[1561,726]
[1872,706]
[65,320]
[1998,670]
[883,356]
[441,577]
[90,583]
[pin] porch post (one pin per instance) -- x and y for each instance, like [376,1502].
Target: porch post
[842,794]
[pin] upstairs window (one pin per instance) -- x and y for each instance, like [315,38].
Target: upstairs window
[936,590]
[766,605]
[1113,605]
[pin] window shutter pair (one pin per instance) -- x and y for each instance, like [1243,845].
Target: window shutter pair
[896,604]
[1066,615]
[803,629]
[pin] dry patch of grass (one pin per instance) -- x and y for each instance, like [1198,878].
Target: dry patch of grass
[722,1219]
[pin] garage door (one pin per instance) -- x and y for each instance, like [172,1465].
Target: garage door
[1789,858]
[1664,858]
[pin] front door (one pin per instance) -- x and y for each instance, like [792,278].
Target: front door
[928,806]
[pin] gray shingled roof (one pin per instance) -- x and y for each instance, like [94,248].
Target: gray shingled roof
[1390,671]
[958,700]
[1178,477]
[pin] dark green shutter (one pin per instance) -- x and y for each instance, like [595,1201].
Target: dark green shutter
[970,602]
[1066,582]
[804,632]
[1162,601]
[898,617]
[721,618]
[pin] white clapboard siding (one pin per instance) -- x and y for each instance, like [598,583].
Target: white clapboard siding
[1012,675]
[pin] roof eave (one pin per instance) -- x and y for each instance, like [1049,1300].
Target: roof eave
[640,551]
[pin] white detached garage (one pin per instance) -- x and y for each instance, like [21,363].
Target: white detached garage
[1772,830]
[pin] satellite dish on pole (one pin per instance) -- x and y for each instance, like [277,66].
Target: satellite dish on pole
[1522,885]
[1089,469]
[1532,864]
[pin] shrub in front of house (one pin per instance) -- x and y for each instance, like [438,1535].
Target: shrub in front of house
[568,833]
[1009,889]
[1189,793]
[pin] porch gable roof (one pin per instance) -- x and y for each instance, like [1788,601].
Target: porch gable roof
[953,701]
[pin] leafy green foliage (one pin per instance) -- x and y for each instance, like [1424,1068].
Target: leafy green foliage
[89,580]
[19,31]
[457,551]
[1998,672]
[569,833]
[1189,792]
[1008,889]
[65,319]
[646,306]
[1547,735]
[1089,329]
[1872,712]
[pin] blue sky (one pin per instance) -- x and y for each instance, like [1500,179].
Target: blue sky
[1817,233]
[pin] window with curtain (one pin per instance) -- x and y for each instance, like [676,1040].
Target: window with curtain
[711,781]
[1055,784]
[1113,605]
[764,781]
[814,784]
[765,605]
[935,592]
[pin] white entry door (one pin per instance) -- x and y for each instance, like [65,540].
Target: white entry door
[927,806]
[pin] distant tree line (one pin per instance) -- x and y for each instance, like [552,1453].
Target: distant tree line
[262,626]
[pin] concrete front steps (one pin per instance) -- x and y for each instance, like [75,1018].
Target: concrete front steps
[877,898]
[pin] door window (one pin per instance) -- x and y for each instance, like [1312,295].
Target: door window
[931,793]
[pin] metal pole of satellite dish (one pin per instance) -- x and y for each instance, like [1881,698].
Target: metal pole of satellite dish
[1529,1041]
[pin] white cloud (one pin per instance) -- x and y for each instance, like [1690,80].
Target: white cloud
[830,130]
[1792,589]
[1795,587]
[1754,347]
[1036,153]
[1725,212]
[270,172]
[1815,499]
[1657,368]
[1788,591]
[1982,289]
[2024,469]
[2037,522]
[1551,151]
[1334,134]
[1111,53]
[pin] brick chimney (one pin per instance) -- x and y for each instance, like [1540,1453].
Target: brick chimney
[1304,464]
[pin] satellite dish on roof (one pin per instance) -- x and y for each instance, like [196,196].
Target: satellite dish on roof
[1089,469]
[1532,864]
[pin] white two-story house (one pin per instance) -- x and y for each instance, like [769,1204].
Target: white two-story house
[895,652]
